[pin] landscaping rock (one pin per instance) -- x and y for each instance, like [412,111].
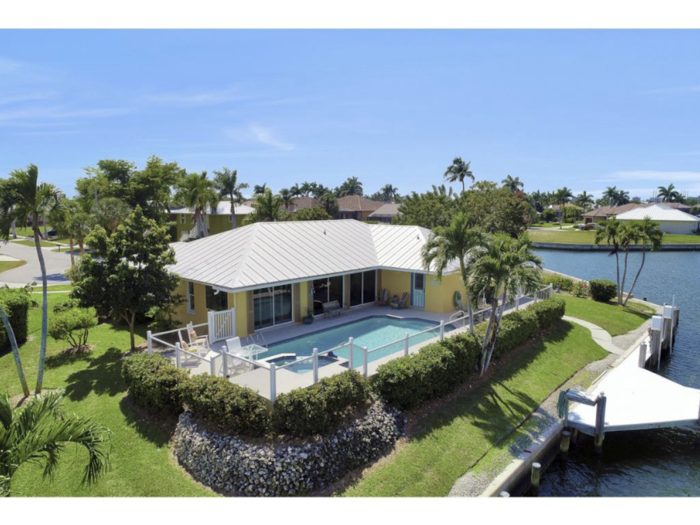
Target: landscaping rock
[234,465]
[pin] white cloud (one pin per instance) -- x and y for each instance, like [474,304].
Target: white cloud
[678,90]
[201,98]
[256,133]
[27,97]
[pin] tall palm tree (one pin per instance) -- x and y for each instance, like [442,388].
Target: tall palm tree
[268,208]
[226,182]
[22,197]
[295,191]
[449,243]
[287,198]
[669,194]
[62,218]
[305,188]
[501,265]
[611,235]
[648,234]
[610,194]
[198,193]
[389,193]
[352,186]
[563,196]
[259,189]
[513,184]
[329,203]
[40,431]
[15,354]
[622,197]
[459,171]
[584,200]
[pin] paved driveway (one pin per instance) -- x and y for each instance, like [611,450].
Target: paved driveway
[56,264]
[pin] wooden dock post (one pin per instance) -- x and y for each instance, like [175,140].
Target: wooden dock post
[600,423]
[643,355]
[535,474]
[564,444]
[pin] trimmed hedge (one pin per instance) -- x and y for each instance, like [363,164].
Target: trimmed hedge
[321,407]
[154,382]
[565,284]
[15,303]
[603,290]
[439,368]
[229,406]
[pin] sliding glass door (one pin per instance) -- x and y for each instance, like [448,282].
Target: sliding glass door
[272,306]
[363,287]
[326,290]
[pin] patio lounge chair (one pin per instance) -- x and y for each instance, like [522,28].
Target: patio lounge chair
[200,340]
[332,308]
[383,298]
[399,303]
[190,349]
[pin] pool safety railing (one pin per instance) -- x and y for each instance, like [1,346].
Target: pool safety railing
[159,337]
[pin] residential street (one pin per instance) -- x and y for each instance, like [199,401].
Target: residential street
[56,264]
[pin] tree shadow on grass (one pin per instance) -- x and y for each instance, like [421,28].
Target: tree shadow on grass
[67,357]
[158,429]
[102,376]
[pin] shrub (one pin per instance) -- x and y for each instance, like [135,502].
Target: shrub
[15,303]
[603,290]
[320,408]
[65,305]
[229,406]
[516,328]
[565,284]
[311,214]
[548,215]
[154,382]
[581,289]
[73,326]
[548,312]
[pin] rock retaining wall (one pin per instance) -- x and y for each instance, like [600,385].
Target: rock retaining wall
[231,464]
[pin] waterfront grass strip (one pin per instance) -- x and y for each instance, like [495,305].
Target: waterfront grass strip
[613,318]
[575,236]
[452,438]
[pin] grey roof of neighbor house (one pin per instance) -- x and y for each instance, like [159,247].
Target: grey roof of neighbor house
[223,208]
[606,211]
[358,203]
[388,210]
[300,203]
[658,212]
[271,253]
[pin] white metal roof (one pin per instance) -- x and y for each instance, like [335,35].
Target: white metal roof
[269,253]
[223,208]
[658,212]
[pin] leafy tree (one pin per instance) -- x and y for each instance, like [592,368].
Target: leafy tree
[199,194]
[501,266]
[268,208]
[62,218]
[226,183]
[429,210]
[110,212]
[40,431]
[535,198]
[73,326]
[295,191]
[287,198]
[329,203]
[447,243]
[513,184]
[459,171]
[126,274]
[21,197]
[669,194]
[496,209]
[648,234]
[611,235]
[259,189]
[312,214]
[352,186]
[549,215]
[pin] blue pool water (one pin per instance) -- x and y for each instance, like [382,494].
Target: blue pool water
[301,367]
[372,332]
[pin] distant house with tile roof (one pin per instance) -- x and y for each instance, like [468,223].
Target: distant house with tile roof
[356,207]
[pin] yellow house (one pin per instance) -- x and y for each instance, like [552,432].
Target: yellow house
[217,220]
[277,273]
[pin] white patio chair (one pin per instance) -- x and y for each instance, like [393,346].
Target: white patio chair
[234,351]
[199,340]
[190,348]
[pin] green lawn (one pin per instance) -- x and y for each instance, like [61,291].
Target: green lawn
[55,288]
[29,242]
[574,236]
[617,320]
[453,438]
[8,265]
[545,225]
[140,459]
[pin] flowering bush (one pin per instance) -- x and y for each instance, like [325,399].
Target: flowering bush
[581,289]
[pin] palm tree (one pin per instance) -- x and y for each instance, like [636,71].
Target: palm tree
[448,243]
[226,182]
[198,193]
[610,194]
[622,197]
[287,198]
[22,197]
[40,431]
[389,193]
[513,184]
[648,233]
[352,186]
[15,354]
[329,203]
[306,188]
[563,196]
[610,235]
[669,194]
[295,191]
[501,265]
[267,208]
[584,200]
[459,171]
[62,218]
[259,189]
[110,212]
[443,191]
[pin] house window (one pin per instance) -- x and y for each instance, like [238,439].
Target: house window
[182,218]
[216,301]
[272,306]
[363,287]
[190,296]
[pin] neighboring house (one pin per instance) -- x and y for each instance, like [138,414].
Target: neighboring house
[217,221]
[300,203]
[271,273]
[356,207]
[670,220]
[385,213]
[606,212]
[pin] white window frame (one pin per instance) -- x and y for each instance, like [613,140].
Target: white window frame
[190,297]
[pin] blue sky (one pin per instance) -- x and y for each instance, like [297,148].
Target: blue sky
[585,109]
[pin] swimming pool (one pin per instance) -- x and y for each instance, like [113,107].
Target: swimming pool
[372,332]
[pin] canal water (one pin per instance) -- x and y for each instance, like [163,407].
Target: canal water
[653,462]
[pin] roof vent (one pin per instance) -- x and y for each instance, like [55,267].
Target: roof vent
[324,232]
